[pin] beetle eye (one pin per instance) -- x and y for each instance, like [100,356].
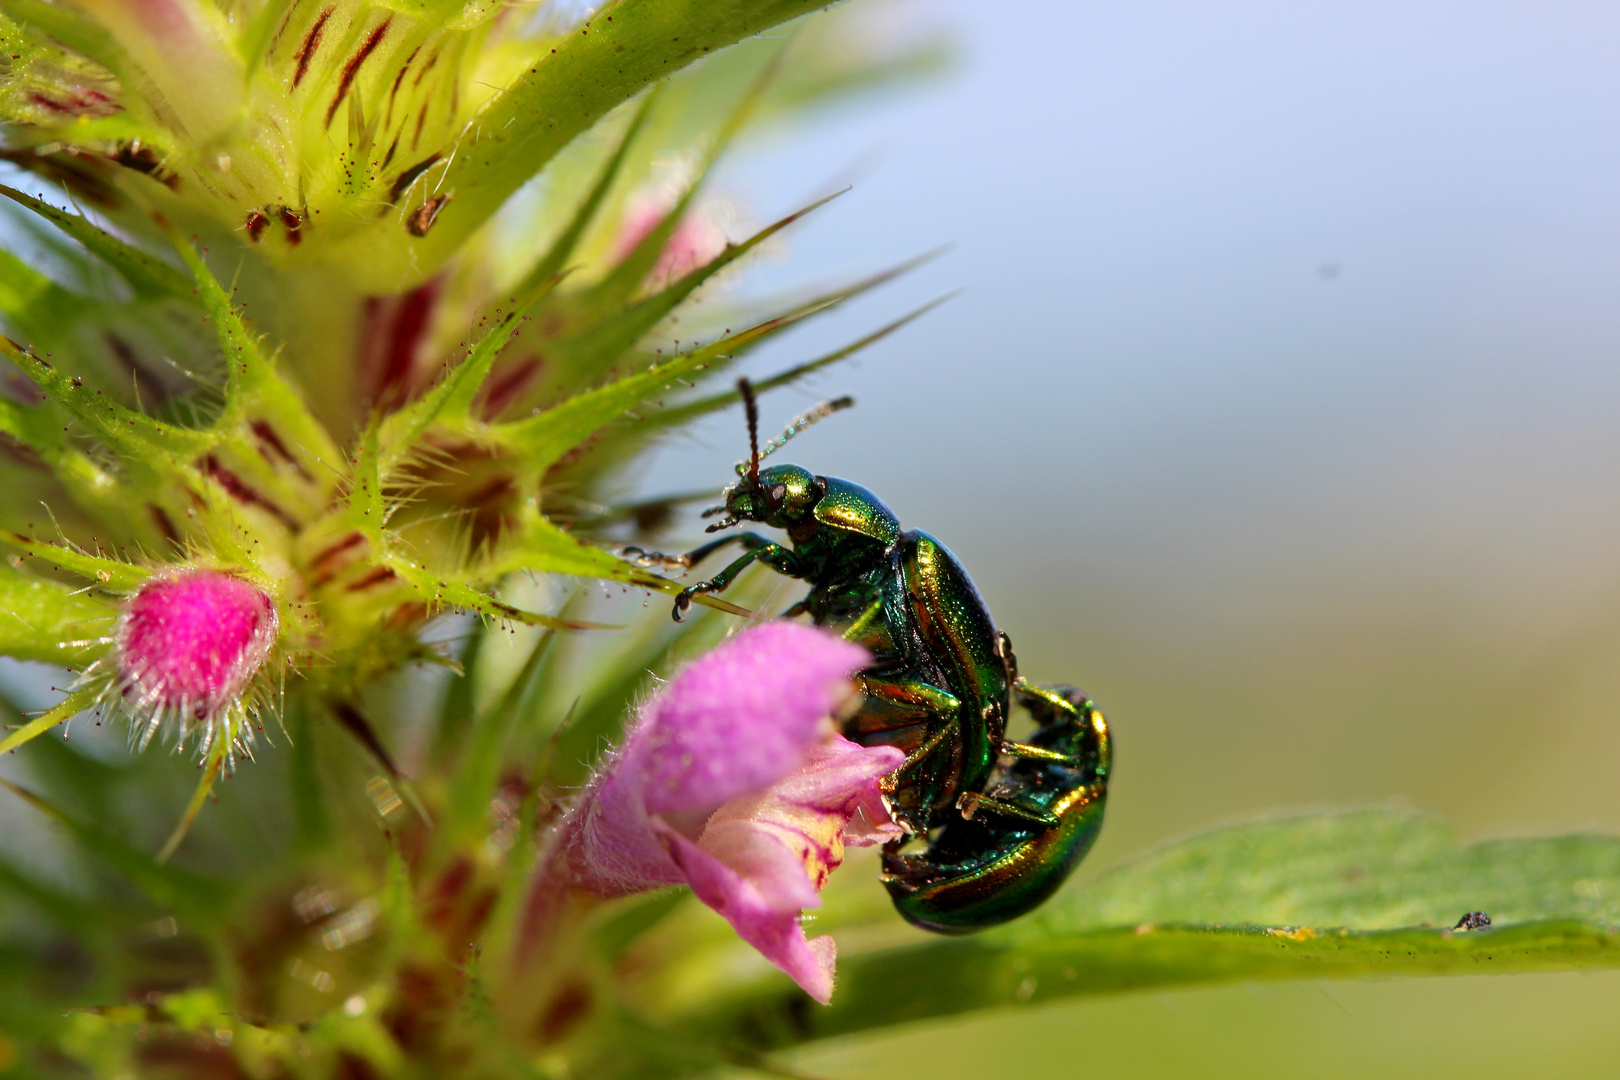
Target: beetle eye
[778,493]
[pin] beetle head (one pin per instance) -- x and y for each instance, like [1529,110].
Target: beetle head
[783,495]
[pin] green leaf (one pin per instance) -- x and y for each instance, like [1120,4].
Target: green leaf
[556,257]
[183,891]
[148,276]
[626,47]
[42,620]
[1370,892]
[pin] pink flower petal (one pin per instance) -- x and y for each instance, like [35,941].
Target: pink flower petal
[741,717]
[765,857]
[775,932]
[734,721]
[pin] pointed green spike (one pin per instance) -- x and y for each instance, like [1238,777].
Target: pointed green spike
[61,907]
[40,429]
[33,303]
[542,547]
[545,438]
[476,777]
[556,257]
[607,344]
[625,279]
[366,511]
[66,709]
[252,384]
[625,440]
[451,400]
[684,414]
[447,593]
[142,438]
[184,891]
[563,94]
[110,572]
[146,274]
[796,299]
[71,29]
[216,760]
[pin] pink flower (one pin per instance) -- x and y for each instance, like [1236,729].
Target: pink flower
[694,241]
[189,644]
[732,781]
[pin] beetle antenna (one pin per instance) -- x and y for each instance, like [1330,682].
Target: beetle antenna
[724,523]
[819,413]
[751,407]
[713,510]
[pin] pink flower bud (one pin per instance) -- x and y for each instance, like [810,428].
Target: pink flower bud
[189,644]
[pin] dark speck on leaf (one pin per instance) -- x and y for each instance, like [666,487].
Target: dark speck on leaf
[1474,920]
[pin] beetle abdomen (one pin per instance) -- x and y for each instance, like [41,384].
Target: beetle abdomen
[954,628]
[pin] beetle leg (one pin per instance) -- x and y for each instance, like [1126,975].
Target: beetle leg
[916,699]
[1037,753]
[749,541]
[971,802]
[1004,650]
[1059,711]
[908,703]
[643,557]
[1050,705]
[772,554]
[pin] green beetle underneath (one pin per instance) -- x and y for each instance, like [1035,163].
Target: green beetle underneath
[1004,822]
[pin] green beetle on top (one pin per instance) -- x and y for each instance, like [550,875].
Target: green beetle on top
[1002,823]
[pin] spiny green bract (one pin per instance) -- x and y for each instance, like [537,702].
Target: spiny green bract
[385,423]
[282,308]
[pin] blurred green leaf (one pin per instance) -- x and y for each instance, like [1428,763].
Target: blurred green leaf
[197,897]
[146,274]
[41,620]
[1370,892]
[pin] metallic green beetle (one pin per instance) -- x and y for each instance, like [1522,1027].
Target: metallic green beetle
[1004,822]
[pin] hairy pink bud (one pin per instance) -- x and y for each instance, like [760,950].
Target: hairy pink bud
[189,643]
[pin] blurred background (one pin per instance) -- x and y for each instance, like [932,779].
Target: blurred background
[1280,410]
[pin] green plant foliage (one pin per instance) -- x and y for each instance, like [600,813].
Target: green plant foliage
[373,308]
[1371,892]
